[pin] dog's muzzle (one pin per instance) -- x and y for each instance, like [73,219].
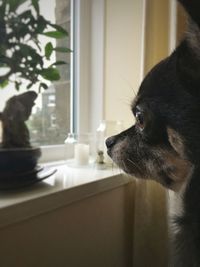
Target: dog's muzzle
[110,142]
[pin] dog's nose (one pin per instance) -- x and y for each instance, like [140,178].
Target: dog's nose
[110,141]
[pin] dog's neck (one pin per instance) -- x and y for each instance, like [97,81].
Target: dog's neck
[186,223]
[191,197]
[187,200]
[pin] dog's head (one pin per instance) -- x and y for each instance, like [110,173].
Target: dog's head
[164,143]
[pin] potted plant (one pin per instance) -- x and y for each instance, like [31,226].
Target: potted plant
[24,59]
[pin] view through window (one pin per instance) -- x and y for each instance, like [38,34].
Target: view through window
[50,120]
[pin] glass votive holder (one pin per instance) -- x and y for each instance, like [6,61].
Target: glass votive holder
[79,149]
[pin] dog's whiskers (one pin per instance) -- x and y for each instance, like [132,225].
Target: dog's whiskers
[123,163]
[135,165]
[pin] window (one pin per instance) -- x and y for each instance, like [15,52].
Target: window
[68,105]
[51,116]
[50,121]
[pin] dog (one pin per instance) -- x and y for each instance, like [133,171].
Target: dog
[164,142]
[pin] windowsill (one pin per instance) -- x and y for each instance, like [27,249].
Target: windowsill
[68,185]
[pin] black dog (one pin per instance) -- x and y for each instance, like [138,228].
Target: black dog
[164,143]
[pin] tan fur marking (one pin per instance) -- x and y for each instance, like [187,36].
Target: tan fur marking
[176,141]
[176,167]
[181,169]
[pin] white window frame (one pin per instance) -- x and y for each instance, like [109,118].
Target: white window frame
[88,81]
[173,25]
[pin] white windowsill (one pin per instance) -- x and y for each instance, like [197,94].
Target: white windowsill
[68,185]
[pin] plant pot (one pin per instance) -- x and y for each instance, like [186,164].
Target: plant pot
[20,160]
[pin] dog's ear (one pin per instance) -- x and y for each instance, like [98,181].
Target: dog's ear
[176,141]
[188,67]
[188,53]
[192,7]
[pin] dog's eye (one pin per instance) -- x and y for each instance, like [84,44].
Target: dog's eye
[139,120]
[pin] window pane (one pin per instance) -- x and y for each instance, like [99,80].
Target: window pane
[50,120]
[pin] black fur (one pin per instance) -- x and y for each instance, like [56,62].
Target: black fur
[164,144]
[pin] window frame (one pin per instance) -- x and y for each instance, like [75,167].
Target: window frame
[87,43]
[172,25]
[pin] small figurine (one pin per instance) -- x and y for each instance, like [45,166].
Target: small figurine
[100,164]
[18,108]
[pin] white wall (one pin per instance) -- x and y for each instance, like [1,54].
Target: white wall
[123,56]
[94,232]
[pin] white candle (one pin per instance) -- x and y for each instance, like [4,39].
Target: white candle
[81,154]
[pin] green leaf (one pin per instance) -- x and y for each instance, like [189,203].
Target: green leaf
[41,24]
[43,85]
[51,74]
[54,34]
[59,63]
[2,64]
[63,49]
[60,29]
[2,9]
[48,50]
[17,85]
[29,85]
[3,84]
[25,15]
[28,51]
[36,6]
[14,4]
